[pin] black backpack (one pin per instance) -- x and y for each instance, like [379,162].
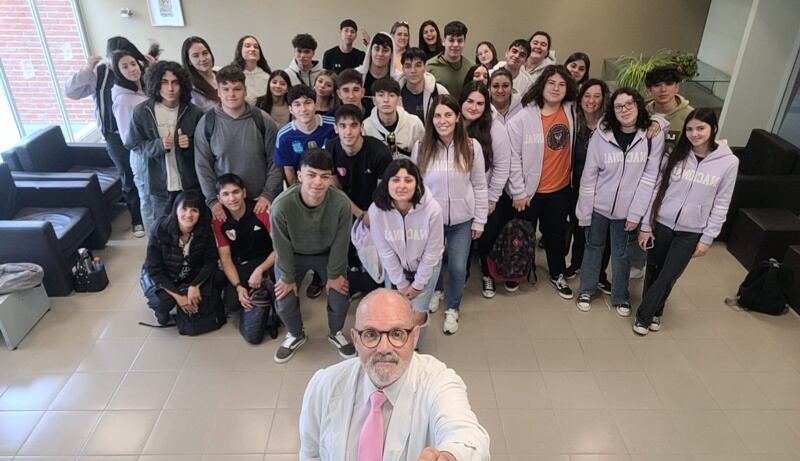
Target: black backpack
[766,288]
[511,257]
[211,120]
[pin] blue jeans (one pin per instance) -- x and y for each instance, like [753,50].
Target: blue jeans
[457,242]
[139,170]
[621,242]
[422,301]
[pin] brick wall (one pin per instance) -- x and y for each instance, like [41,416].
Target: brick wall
[23,59]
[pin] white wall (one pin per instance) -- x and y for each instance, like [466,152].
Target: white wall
[763,67]
[723,33]
[601,28]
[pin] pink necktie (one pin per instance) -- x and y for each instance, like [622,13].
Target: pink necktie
[370,442]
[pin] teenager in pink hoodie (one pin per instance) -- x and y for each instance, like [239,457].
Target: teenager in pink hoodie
[685,213]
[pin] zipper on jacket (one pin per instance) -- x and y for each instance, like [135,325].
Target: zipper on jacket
[685,197]
[624,161]
[447,183]
[405,241]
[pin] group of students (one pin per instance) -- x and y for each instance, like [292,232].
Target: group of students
[415,151]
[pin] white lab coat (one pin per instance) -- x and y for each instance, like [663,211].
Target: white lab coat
[432,409]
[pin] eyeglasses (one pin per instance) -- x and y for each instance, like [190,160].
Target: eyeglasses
[370,338]
[622,107]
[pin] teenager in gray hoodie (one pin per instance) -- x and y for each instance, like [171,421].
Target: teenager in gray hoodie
[407,229]
[303,69]
[236,142]
[686,211]
[618,154]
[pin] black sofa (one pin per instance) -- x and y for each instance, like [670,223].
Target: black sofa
[46,151]
[44,226]
[769,177]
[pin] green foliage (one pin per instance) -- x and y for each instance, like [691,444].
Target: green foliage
[632,68]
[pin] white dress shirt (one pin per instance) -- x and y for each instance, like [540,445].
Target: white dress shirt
[427,407]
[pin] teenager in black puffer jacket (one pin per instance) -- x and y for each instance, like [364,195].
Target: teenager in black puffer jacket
[181,260]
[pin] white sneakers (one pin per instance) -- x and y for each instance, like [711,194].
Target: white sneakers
[433,306]
[450,321]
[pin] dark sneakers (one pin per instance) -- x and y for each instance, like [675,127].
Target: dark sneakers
[640,329]
[562,287]
[655,323]
[344,348]
[314,288]
[571,272]
[511,286]
[604,286]
[288,347]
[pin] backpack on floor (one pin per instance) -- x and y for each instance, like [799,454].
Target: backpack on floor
[766,288]
[511,256]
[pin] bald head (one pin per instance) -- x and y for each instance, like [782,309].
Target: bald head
[383,303]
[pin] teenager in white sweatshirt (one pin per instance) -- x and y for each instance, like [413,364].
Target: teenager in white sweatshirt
[250,57]
[389,122]
[453,170]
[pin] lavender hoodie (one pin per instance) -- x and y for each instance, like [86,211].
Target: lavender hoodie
[413,242]
[611,177]
[497,175]
[124,102]
[698,195]
[461,194]
[525,131]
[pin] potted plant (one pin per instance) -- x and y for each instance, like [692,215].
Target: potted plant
[632,68]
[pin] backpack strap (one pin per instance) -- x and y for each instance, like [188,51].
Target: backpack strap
[208,127]
[259,119]
[211,120]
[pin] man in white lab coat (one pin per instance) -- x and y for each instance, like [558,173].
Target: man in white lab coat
[390,404]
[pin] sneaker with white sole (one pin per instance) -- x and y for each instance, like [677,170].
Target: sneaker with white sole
[655,323]
[584,302]
[450,321]
[562,287]
[640,329]
[433,305]
[345,348]
[604,286]
[487,287]
[636,273]
[288,347]
[571,272]
[138,231]
[624,309]
[511,286]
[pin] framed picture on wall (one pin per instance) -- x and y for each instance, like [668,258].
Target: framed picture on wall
[165,13]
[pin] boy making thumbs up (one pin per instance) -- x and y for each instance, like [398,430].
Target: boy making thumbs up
[161,130]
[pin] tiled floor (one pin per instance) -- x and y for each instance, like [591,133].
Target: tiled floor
[548,382]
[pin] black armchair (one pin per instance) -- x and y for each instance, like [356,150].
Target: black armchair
[46,151]
[36,226]
[769,177]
